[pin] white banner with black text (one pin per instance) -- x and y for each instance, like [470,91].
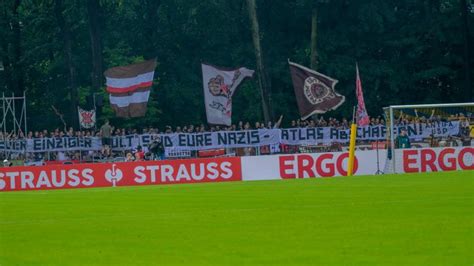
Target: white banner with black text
[230,139]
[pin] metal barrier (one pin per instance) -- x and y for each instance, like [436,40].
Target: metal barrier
[177,153]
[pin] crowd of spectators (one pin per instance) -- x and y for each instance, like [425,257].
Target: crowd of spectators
[198,128]
[320,121]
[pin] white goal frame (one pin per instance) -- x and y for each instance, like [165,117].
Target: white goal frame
[391,110]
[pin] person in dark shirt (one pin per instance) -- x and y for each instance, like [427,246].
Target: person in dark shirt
[106,132]
[402,141]
[465,133]
[157,149]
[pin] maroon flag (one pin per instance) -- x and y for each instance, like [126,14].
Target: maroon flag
[129,87]
[362,117]
[314,91]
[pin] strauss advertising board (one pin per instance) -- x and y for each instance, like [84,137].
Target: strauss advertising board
[120,174]
[288,166]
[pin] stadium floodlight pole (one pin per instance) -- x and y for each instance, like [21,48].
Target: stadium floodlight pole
[350,168]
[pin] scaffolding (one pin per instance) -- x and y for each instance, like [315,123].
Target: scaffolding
[13,115]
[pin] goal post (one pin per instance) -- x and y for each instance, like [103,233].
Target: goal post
[426,126]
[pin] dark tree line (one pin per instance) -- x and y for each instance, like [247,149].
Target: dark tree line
[408,52]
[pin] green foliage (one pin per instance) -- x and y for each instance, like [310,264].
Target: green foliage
[408,52]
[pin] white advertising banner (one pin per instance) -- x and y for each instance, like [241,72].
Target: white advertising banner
[434,159]
[290,166]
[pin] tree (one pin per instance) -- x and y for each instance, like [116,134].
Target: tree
[65,32]
[467,57]
[314,35]
[11,46]
[94,11]
[5,57]
[17,43]
[263,81]
[408,52]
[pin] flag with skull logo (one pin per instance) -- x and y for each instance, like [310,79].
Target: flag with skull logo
[314,91]
[219,86]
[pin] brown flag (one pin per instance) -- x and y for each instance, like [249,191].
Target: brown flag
[314,91]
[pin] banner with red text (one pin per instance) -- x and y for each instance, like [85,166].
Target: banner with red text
[304,165]
[332,164]
[434,159]
[271,167]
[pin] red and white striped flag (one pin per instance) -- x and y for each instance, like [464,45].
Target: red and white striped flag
[362,117]
[129,87]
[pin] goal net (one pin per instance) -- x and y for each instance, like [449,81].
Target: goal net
[429,137]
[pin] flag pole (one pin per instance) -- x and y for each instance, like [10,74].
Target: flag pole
[350,168]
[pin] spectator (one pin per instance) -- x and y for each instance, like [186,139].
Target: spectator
[402,141]
[247,126]
[129,157]
[106,152]
[106,133]
[240,126]
[157,149]
[277,124]
[139,154]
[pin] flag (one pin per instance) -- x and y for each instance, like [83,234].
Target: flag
[129,87]
[362,117]
[219,87]
[314,91]
[87,119]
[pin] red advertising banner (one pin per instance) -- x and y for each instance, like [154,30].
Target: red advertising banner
[120,174]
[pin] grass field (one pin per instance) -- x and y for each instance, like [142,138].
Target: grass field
[416,219]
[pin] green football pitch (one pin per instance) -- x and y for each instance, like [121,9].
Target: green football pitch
[413,219]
